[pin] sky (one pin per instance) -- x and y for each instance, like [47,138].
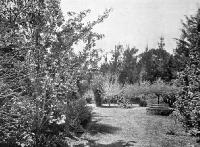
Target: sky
[136,23]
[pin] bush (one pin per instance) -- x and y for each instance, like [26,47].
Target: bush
[97,88]
[135,100]
[78,115]
[188,100]
[157,92]
[88,100]
[112,88]
[89,96]
[106,89]
[138,100]
[142,103]
[169,99]
[83,87]
[135,93]
[175,127]
[134,90]
[41,73]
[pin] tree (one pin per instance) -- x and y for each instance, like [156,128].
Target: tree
[37,54]
[189,79]
[116,60]
[105,65]
[155,63]
[128,72]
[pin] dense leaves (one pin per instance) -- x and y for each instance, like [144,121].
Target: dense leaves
[189,79]
[40,72]
[147,66]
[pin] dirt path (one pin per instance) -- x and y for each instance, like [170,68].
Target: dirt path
[118,127]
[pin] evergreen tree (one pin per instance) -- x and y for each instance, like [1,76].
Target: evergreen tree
[155,64]
[128,73]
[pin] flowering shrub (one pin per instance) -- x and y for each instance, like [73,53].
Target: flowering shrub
[97,88]
[161,90]
[39,72]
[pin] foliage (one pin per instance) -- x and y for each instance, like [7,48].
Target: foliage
[134,90]
[123,63]
[88,96]
[166,91]
[40,71]
[142,103]
[156,63]
[116,60]
[158,88]
[147,66]
[78,115]
[112,88]
[97,88]
[189,79]
[128,72]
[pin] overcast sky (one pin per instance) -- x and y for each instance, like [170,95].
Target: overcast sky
[136,22]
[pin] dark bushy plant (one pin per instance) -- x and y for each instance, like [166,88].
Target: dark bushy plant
[39,72]
[142,103]
[188,100]
[89,96]
[98,90]
[78,115]
[169,99]
[135,100]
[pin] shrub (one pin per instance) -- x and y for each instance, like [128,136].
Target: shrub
[89,96]
[175,127]
[112,88]
[89,100]
[97,88]
[142,103]
[188,100]
[139,100]
[135,100]
[169,99]
[41,73]
[83,87]
[78,115]
[164,90]
[106,89]
[135,90]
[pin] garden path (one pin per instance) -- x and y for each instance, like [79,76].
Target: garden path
[119,127]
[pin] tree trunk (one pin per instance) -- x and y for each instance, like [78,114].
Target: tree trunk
[158,95]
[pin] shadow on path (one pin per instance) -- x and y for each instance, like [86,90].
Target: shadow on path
[119,143]
[111,106]
[95,127]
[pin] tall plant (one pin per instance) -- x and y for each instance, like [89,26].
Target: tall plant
[39,70]
[189,79]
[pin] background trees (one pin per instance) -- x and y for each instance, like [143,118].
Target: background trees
[128,72]
[147,66]
[156,63]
